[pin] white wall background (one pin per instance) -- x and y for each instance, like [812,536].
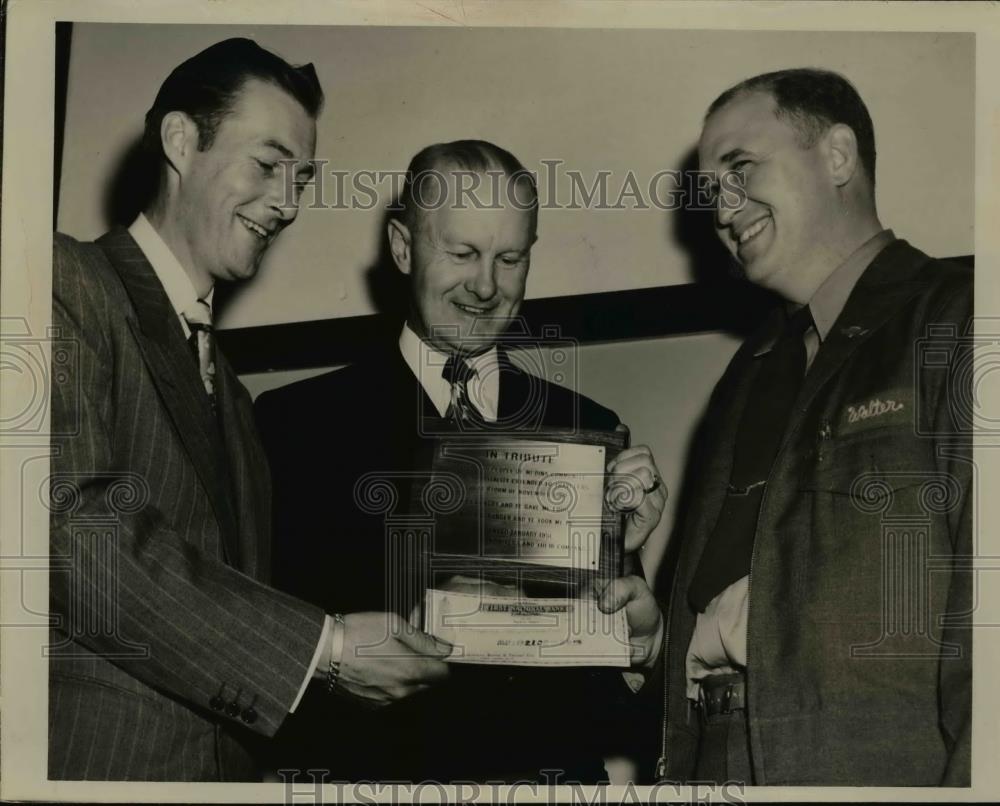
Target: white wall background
[614,100]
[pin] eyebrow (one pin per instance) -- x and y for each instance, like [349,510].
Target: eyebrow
[308,170]
[732,154]
[277,146]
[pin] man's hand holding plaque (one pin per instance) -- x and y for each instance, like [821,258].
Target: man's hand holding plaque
[521,565]
[634,472]
[635,487]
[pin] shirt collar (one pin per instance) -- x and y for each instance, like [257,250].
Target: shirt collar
[829,300]
[427,364]
[175,281]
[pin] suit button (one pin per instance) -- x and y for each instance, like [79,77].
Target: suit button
[216,703]
[232,709]
[249,715]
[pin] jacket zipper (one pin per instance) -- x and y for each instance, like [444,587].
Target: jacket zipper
[661,763]
[746,676]
[753,554]
[660,773]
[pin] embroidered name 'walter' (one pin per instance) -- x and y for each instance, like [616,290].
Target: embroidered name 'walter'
[876,407]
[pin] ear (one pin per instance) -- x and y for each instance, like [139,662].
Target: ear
[399,244]
[179,138]
[843,153]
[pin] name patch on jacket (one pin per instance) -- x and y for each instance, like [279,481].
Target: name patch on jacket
[888,408]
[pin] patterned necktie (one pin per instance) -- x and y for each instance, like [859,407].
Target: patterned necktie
[727,554]
[459,373]
[199,319]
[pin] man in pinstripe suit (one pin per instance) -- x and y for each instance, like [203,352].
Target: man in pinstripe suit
[170,654]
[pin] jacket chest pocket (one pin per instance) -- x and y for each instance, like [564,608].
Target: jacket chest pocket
[888,471]
[874,505]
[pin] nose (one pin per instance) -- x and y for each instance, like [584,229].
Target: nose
[283,196]
[725,211]
[287,214]
[286,209]
[730,200]
[483,282]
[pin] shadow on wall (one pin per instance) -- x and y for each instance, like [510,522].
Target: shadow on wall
[388,288]
[744,307]
[131,187]
[692,227]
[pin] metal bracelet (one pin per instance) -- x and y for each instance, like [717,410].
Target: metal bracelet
[333,666]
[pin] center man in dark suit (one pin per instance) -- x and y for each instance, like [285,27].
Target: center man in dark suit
[467,265]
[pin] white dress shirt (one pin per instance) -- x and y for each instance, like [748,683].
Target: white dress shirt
[175,281]
[427,364]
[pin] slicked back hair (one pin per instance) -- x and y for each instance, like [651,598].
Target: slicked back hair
[206,87]
[474,156]
[812,100]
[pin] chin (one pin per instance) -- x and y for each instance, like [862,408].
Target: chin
[758,271]
[245,272]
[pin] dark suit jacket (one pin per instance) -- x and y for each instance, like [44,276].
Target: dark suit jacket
[855,677]
[324,434]
[170,651]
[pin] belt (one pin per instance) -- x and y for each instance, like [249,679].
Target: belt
[722,693]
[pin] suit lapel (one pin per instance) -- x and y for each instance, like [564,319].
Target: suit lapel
[521,401]
[511,395]
[715,466]
[167,355]
[246,464]
[404,393]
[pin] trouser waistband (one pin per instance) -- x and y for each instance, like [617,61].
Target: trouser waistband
[722,693]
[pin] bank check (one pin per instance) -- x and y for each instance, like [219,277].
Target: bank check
[525,631]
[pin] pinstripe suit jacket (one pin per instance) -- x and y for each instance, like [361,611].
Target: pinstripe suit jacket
[170,652]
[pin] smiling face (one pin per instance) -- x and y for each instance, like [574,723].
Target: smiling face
[468,267]
[234,198]
[782,232]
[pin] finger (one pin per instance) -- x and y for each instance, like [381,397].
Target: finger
[627,454]
[619,592]
[421,671]
[642,466]
[371,696]
[416,617]
[636,535]
[652,504]
[431,671]
[460,579]
[396,693]
[626,490]
[643,521]
[424,643]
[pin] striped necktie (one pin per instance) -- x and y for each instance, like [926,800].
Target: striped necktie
[458,372]
[199,319]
